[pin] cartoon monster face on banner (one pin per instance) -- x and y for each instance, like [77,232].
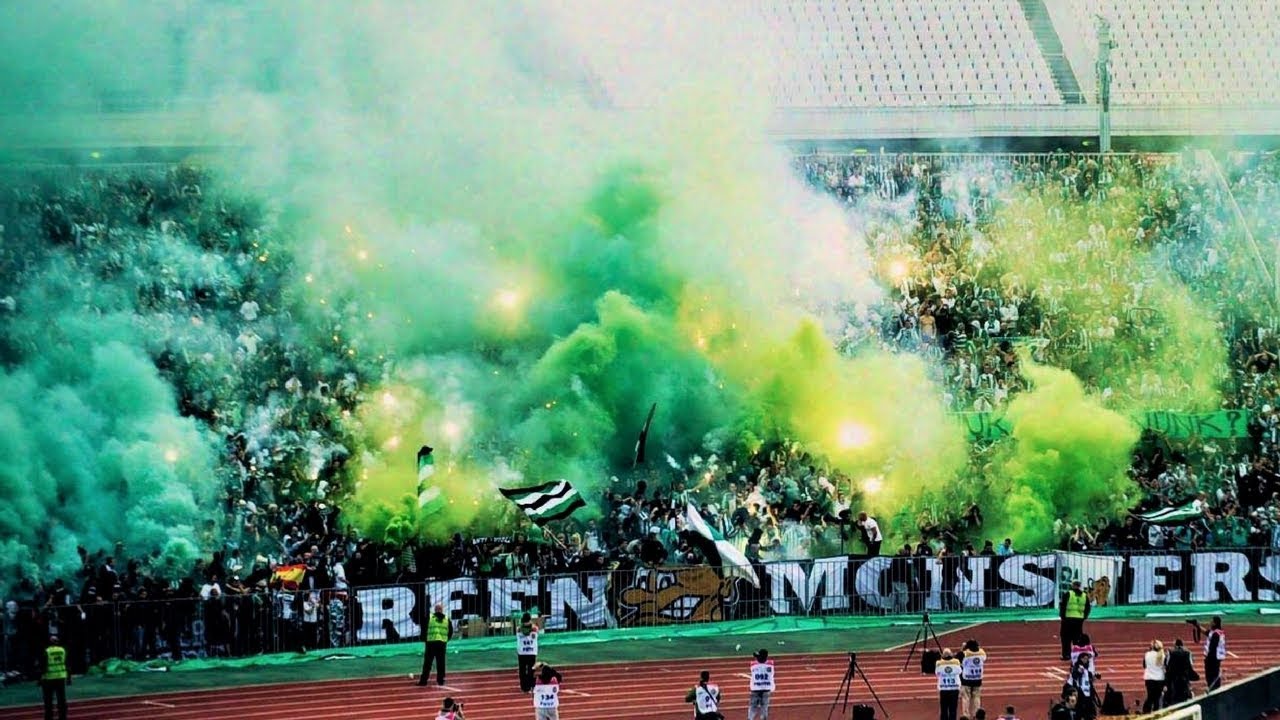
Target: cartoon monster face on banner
[675,595]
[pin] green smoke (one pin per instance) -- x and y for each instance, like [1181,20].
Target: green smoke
[96,454]
[1067,461]
[1122,321]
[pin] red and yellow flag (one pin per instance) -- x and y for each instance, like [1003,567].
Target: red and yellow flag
[289,576]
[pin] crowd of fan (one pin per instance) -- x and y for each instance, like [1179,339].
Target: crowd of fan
[277,400]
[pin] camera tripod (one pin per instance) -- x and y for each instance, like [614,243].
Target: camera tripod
[925,632]
[843,691]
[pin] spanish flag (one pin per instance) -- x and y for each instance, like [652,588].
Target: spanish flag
[289,576]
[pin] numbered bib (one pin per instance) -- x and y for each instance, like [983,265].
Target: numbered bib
[948,677]
[706,701]
[761,676]
[971,667]
[546,696]
[527,644]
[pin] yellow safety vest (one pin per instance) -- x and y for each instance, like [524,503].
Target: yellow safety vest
[55,663]
[437,629]
[1075,604]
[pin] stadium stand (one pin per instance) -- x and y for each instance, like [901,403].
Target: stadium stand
[1170,53]
[891,54]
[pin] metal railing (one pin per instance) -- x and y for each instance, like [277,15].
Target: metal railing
[280,621]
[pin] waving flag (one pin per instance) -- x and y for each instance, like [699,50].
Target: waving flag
[426,468]
[289,576]
[732,562]
[644,436]
[1171,515]
[544,503]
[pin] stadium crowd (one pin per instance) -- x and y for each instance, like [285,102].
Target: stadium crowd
[277,401]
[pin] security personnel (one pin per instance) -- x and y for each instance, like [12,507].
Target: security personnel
[1215,651]
[705,697]
[546,694]
[948,672]
[527,649]
[1073,610]
[438,631]
[54,678]
[973,660]
[762,686]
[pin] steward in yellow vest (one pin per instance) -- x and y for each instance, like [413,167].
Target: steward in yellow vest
[1073,610]
[437,632]
[54,678]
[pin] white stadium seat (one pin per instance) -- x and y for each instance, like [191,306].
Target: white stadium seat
[910,48]
[1182,52]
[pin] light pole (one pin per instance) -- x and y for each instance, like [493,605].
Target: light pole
[1105,44]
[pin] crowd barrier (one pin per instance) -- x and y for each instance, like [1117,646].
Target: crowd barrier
[238,625]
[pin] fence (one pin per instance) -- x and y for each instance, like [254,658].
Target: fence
[843,585]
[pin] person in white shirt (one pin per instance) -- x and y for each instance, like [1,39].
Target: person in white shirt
[870,533]
[948,673]
[705,697]
[527,649]
[1153,669]
[762,686]
[973,661]
[211,589]
[339,572]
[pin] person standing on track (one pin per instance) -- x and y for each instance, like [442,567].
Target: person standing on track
[1009,714]
[437,632]
[54,678]
[1215,651]
[1178,675]
[546,694]
[705,697]
[973,661]
[1073,610]
[527,649]
[1082,680]
[762,685]
[948,673]
[1153,674]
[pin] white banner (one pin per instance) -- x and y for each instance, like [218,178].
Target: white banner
[1099,575]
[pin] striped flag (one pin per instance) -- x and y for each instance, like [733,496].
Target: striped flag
[547,502]
[732,561]
[1171,515]
[426,468]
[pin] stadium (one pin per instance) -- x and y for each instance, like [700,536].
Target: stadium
[489,360]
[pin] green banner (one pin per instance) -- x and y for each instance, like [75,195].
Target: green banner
[1222,424]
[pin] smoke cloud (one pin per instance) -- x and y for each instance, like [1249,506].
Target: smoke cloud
[517,225]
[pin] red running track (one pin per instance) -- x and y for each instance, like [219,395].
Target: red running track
[1023,670]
